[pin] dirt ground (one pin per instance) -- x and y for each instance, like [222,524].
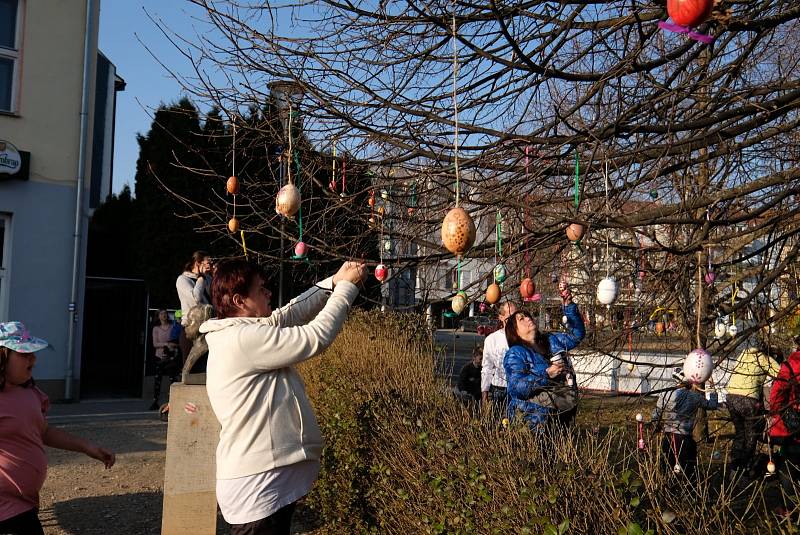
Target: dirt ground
[80,497]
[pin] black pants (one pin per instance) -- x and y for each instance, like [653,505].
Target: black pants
[170,366]
[25,524]
[748,423]
[498,395]
[278,523]
[681,450]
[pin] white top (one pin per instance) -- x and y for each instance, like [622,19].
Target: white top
[193,290]
[250,498]
[256,394]
[494,350]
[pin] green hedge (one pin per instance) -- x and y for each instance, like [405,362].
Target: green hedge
[403,456]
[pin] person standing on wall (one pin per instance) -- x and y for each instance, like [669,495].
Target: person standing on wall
[194,288]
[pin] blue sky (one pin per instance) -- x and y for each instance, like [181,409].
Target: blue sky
[125,30]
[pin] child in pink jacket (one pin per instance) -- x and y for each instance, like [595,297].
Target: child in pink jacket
[24,433]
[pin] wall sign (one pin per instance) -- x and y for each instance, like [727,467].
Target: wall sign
[13,163]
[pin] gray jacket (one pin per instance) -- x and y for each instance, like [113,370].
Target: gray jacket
[192,291]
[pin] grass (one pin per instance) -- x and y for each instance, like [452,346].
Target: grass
[403,456]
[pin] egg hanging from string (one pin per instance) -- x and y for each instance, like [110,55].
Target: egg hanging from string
[381,272]
[500,273]
[575,231]
[458,231]
[733,330]
[300,249]
[710,278]
[527,288]
[697,366]
[287,202]
[232,185]
[493,293]
[607,291]
[689,13]
[459,302]
[233,224]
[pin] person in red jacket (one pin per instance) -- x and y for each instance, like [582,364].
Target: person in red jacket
[784,397]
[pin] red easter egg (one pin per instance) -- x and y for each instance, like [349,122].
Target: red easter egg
[689,12]
[527,288]
[300,249]
[381,272]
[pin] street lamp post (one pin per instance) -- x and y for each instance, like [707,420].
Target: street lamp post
[287,95]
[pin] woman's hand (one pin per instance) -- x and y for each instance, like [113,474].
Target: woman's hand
[555,370]
[353,272]
[566,294]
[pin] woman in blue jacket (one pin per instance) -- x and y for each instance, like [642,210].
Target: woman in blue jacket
[541,382]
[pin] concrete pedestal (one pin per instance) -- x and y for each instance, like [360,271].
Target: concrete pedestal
[190,503]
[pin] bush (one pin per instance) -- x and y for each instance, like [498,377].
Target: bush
[403,456]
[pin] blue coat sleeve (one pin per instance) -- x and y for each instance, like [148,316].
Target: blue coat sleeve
[577,330]
[524,375]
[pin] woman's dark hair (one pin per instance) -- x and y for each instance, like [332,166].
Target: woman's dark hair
[5,354]
[541,343]
[477,351]
[233,277]
[197,256]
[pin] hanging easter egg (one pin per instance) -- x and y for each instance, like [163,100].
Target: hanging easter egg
[575,232]
[332,185]
[459,302]
[710,278]
[410,211]
[381,211]
[232,185]
[607,291]
[698,366]
[287,202]
[733,330]
[384,194]
[527,288]
[458,231]
[720,328]
[387,245]
[565,319]
[689,13]
[639,417]
[771,467]
[500,273]
[381,272]
[493,294]
[233,224]
[654,194]
[300,249]
[371,201]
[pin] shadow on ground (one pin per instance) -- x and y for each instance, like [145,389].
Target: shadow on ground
[129,514]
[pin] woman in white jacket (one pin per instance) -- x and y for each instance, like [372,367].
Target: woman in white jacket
[270,443]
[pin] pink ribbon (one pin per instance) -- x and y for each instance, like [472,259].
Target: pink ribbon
[671,27]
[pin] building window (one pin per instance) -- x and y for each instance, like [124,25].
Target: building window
[5,253]
[9,52]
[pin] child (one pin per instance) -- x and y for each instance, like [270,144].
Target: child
[675,413]
[24,433]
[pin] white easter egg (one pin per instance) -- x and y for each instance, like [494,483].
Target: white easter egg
[697,366]
[607,291]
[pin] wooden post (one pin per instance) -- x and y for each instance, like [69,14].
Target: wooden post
[190,501]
